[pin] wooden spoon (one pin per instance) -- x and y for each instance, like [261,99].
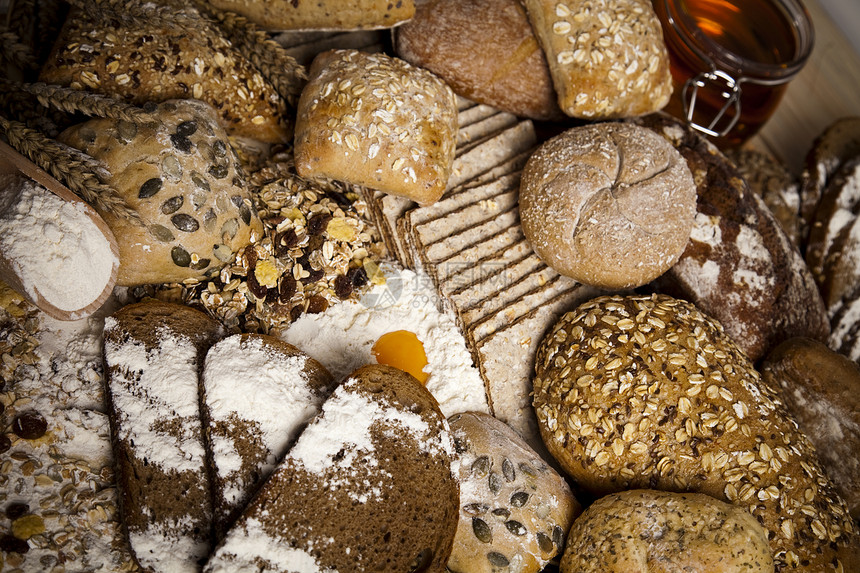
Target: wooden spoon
[12,162]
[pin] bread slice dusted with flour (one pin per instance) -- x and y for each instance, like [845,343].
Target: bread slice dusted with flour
[258,394]
[368,486]
[153,356]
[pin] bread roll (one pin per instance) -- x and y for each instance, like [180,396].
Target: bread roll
[184,180]
[641,531]
[739,265]
[258,394]
[379,122]
[320,14]
[821,388]
[514,509]
[610,205]
[607,57]
[485,50]
[368,486]
[648,392]
[153,354]
[159,64]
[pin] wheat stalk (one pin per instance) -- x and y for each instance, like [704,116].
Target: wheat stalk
[82,174]
[12,51]
[138,13]
[281,69]
[79,101]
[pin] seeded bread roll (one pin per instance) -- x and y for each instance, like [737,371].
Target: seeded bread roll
[645,530]
[321,14]
[607,58]
[485,50]
[258,394]
[514,509]
[368,486]
[821,388]
[153,355]
[159,64]
[184,180]
[610,204]
[648,392]
[739,266]
[379,122]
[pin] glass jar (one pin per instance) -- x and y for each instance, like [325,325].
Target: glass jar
[731,61]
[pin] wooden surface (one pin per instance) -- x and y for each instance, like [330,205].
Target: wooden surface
[827,89]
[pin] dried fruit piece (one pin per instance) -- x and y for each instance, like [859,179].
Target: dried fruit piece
[27,526]
[30,425]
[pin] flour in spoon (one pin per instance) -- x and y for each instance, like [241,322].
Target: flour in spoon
[52,245]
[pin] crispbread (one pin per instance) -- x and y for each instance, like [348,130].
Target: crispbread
[525,278]
[462,262]
[258,393]
[511,309]
[344,497]
[491,277]
[506,361]
[490,199]
[470,136]
[460,242]
[465,274]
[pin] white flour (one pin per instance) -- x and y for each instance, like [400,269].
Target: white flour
[342,338]
[53,246]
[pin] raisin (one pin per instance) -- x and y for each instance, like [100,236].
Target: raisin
[30,425]
[313,276]
[358,277]
[342,287]
[255,287]
[296,312]
[16,510]
[317,304]
[11,544]
[5,443]
[287,288]
[318,224]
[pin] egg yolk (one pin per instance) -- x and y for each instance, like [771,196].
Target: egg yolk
[402,350]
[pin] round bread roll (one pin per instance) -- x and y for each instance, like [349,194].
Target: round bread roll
[610,205]
[184,180]
[514,508]
[485,50]
[641,531]
[821,388]
[648,392]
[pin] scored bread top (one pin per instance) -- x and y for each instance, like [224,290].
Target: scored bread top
[639,391]
[368,486]
[377,121]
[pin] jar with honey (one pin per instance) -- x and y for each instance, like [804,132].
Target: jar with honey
[731,61]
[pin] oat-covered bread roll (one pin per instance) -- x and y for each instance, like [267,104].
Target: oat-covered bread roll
[183,178]
[321,14]
[159,64]
[485,50]
[648,392]
[639,531]
[607,58]
[153,354]
[739,265]
[609,204]
[377,121]
[514,509]
[258,394]
[821,388]
[368,486]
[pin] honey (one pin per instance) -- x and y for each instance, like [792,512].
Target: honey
[402,350]
[731,61]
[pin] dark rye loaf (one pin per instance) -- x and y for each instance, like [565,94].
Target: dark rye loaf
[153,356]
[258,394]
[368,486]
[739,266]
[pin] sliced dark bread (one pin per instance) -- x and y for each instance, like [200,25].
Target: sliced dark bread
[368,486]
[153,354]
[258,394]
